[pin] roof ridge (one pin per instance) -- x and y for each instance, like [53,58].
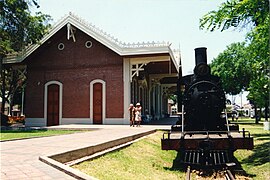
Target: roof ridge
[114,39]
[107,39]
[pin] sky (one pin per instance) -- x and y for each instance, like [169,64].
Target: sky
[132,21]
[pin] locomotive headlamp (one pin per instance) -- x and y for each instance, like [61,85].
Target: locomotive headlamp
[202,70]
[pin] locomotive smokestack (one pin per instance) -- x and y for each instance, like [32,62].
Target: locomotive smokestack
[200,55]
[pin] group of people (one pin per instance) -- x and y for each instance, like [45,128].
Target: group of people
[135,114]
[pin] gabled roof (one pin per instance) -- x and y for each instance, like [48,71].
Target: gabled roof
[109,41]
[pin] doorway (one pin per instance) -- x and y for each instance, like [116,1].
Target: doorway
[97,103]
[53,105]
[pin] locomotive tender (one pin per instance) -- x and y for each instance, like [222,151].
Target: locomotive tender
[203,135]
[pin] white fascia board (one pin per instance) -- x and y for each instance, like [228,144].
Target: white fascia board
[122,51]
[145,50]
[55,29]
[103,40]
[29,50]
[176,65]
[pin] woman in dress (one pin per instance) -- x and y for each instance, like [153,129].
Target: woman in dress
[138,114]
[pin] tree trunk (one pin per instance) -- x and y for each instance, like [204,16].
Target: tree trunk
[4,118]
[3,96]
[256,115]
[3,88]
[266,112]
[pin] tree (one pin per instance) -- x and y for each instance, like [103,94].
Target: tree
[252,15]
[236,14]
[259,55]
[18,29]
[231,68]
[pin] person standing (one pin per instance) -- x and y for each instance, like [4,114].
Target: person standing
[138,114]
[131,110]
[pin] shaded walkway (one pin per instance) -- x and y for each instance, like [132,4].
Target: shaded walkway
[165,121]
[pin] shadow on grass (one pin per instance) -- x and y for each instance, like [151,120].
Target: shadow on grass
[261,152]
[179,166]
[244,123]
[262,137]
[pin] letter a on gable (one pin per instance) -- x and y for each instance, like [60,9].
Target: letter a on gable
[71,32]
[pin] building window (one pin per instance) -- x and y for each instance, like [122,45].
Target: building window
[61,46]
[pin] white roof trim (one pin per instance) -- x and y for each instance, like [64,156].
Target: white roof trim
[104,38]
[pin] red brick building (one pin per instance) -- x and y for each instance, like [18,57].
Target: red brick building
[79,74]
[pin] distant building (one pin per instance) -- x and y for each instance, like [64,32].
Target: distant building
[248,110]
[79,74]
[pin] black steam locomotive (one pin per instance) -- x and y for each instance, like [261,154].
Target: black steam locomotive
[203,135]
[203,98]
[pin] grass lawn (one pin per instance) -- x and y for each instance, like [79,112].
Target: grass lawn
[245,120]
[145,160]
[141,160]
[256,162]
[21,134]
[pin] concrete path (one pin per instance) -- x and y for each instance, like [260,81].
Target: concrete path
[19,159]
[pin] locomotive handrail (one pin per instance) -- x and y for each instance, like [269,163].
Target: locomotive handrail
[244,132]
[227,121]
[206,132]
[216,132]
[183,112]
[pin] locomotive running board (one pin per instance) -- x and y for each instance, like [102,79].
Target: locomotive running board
[219,141]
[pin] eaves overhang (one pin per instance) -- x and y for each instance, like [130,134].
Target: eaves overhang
[109,41]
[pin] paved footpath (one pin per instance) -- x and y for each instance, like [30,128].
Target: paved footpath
[19,159]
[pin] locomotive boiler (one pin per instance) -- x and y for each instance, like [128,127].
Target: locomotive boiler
[203,135]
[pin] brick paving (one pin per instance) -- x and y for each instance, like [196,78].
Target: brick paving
[19,159]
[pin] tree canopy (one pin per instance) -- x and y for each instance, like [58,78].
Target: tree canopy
[237,14]
[231,68]
[18,29]
[243,66]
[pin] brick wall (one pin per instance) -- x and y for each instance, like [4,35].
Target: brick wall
[75,67]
